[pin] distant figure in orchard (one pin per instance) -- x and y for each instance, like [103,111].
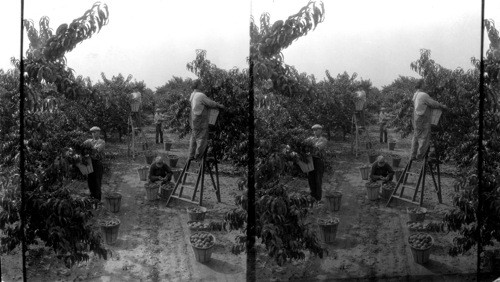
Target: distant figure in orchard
[94,179]
[360,103]
[200,105]
[315,176]
[383,119]
[160,171]
[423,104]
[381,170]
[158,119]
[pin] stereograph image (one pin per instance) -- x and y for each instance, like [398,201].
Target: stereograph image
[262,140]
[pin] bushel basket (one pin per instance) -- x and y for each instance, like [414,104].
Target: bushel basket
[197,214]
[328,229]
[113,201]
[334,201]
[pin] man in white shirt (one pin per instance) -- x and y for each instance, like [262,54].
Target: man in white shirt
[423,104]
[200,105]
[315,177]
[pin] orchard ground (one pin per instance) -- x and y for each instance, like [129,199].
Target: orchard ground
[153,241]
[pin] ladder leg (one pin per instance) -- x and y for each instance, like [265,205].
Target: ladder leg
[439,184]
[202,180]
[405,177]
[394,192]
[421,179]
[183,177]
[217,178]
[178,182]
[423,183]
[200,176]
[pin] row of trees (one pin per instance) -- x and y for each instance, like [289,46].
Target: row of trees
[61,108]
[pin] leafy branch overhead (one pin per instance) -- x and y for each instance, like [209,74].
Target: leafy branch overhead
[269,41]
[54,46]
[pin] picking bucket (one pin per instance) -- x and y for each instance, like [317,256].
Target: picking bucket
[334,201]
[365,172]
[435,115]
[372,158]
[172,160]
[203,255]
[328,231]
[372,190]
[167,146]
[86,169]
[143,173]
[197,214]
[113,202]
[213,114]
[110,232]
[396,161]
[151,193]
[391,145]
[421,256]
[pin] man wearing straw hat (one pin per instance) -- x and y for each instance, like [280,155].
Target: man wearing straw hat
[423,104]
[94,179]
[381,171]
[315,177]
[200,105]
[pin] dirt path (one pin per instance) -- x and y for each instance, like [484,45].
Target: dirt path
[371,238]
[153,240]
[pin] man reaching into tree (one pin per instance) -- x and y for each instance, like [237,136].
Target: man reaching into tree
[200,106]
[423,104]
[360,102]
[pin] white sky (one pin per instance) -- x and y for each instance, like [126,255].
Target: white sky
[154,39]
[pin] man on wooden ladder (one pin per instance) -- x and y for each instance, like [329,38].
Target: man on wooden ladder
[423,104]
[200,105]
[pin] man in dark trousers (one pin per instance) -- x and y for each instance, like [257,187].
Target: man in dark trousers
[381,171]
[315,176]
[94,179]
[158,119]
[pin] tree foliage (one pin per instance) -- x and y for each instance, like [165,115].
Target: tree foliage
[53,122]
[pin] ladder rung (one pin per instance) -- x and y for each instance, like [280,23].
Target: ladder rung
[184,199]
[187,186]
[191,173]
[411,173]
[404,199]
[408,187]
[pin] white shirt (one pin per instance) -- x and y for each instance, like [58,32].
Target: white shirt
[199,101]
[421,100]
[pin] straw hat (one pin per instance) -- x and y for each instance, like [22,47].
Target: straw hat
[95,128]
[317,126]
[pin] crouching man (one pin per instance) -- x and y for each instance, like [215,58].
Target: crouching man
[381,171]
[160,171]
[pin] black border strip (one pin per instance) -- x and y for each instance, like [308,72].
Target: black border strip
[21,146]
[480,148]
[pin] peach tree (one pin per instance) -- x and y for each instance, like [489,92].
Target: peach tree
[55,215]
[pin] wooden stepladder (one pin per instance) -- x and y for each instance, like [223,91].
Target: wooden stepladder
[136,136]
[207,164]
[403,183]
[361,137]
